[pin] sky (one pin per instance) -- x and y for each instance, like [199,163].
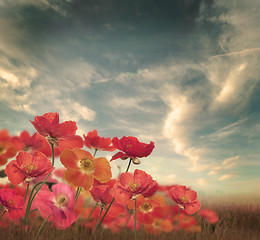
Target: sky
[184,74]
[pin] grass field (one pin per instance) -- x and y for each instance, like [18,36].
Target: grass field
[238,220]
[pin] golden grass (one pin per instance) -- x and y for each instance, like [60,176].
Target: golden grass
[238,220]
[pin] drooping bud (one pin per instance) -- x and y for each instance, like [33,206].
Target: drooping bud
[136,161]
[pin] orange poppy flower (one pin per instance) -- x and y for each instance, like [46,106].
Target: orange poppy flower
[83,168]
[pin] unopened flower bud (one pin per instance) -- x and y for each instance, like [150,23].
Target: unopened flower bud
[124,158]
[136,161]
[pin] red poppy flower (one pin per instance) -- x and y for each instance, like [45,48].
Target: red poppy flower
[82,168]
[147,209]
[131,148]
[31,143]
[185,198]
[131,185]
[46,149]
[186,221]
[101,194]
[12,202]
[93,141]
[209,215]
[7,148]
[28,166]
[59,134]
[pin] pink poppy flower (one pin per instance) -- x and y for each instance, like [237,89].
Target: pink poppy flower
[129,186]
[131,148]
[185,198]
[12,202]
[28,166]
[61,135]
[93,141]
[57,204]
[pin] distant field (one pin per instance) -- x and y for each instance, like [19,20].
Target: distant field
[238,220]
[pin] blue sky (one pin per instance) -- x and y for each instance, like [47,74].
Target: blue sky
[184,74]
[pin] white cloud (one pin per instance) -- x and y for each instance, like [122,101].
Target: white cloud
[226,176]
[226,164]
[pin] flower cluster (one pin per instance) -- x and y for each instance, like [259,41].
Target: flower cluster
[84,189]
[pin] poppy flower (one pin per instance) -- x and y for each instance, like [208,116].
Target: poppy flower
[159,225]
[186,221]
[12,202]
[93,141]
[185,198]
[61,135]
[27,142]
[7,147]
[131,148]
[57,204]
[209,215]
[131,185]
[147,209]
[83,168]
[101,194]
[28,166]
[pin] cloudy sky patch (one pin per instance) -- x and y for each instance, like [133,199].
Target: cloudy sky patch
[184,74]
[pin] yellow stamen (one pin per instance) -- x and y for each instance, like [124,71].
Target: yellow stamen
[87,165]
[146,207]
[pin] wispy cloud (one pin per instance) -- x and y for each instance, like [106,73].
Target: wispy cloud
[57,6]
[226,176]
[224,166]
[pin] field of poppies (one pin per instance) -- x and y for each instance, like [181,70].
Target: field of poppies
[83,200]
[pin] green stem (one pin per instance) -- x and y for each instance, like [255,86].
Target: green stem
[52,151]
[34,210]
[29,204]
[101,209]
[77,194]
[105,214]
[41,227]
[95,152]
[2,215]
[93,209]
[135,219]
[128,165]
[30,200]
[130,214]
[178,217]
[27,189]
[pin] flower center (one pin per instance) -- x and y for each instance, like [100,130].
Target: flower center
[10,203]
[184,199]
[29,167]
[2,149]
[87,165]
[146,207]
[62,199]
[133,186]
[157,224]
